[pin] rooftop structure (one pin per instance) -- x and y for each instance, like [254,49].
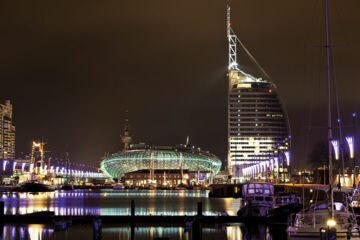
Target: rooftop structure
[153,158]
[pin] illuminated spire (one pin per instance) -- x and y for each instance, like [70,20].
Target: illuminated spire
[232,43]
[233,40]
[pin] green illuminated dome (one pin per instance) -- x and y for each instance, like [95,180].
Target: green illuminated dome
[118,164]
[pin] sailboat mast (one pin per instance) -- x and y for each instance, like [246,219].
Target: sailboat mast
[327,46]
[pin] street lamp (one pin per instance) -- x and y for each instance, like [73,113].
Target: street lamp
[287,156]
[335,144]
[350,141]
[4,165]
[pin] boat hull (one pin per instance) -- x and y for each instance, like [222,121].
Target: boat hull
[36,187]
[311,233]
[255,211]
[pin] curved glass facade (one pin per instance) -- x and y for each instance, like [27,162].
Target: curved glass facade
[118,164]
[257,123]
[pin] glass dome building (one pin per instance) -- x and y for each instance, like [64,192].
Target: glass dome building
[160,158]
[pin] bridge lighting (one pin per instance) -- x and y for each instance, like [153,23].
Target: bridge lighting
[52,169]
[335,144]
[277,164]
[264,166]
[350,141]
[23,167]
[14,165]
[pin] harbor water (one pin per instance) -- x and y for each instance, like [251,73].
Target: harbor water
[117,203]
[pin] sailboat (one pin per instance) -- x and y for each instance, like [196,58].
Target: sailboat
[319,222]
[325,220]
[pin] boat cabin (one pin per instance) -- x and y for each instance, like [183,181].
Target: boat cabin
[258,193]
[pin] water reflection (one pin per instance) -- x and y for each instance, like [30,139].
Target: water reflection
[209,232]
[31,231]
[109,202]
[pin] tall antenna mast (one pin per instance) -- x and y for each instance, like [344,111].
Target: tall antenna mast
[327,46]
[232,43]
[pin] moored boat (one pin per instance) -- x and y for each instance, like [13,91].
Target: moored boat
[316,223]
[118,186]
[36,187]
[259,199]
[67,187]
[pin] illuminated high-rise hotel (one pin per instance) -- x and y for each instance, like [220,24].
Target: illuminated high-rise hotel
[7,131]
[258,126]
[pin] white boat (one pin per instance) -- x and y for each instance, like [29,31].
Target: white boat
[316,223]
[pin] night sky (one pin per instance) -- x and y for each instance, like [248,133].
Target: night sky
[72,68]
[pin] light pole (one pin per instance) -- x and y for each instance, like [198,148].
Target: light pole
[301,173]
[354,115]
[350,141]
[335,144]
[287,156]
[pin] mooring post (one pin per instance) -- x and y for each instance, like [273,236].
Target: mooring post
[132,207]
[1,208]
[97,229]
[199,209]
[196,229]
[132,233]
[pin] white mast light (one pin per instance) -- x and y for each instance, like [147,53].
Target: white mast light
[335,144]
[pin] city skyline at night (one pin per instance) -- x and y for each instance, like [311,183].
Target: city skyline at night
[71,70]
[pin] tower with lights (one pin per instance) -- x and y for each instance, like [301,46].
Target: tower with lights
[258,127]
[7,131]
[126,137]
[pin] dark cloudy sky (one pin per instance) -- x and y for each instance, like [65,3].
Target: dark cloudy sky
[71,69]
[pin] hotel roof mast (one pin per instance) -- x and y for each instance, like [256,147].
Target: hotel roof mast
[232,43]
